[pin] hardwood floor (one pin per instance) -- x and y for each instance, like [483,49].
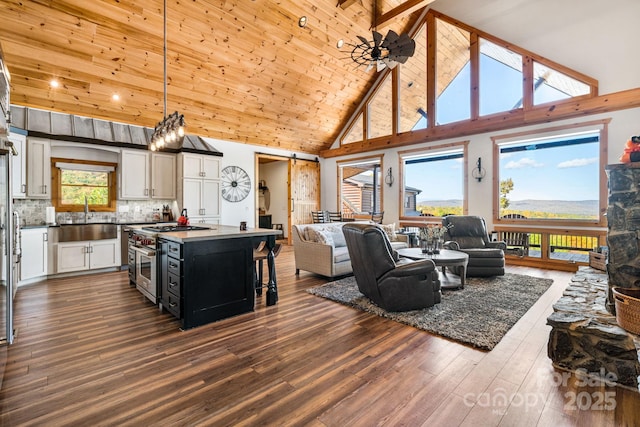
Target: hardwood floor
[91,350]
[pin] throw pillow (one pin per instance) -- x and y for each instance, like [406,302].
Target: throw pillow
[336,235]
[320,236]
[390,231]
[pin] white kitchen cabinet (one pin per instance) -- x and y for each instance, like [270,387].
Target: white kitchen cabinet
[34,253]
[201,197]
[200,166]
[199,187]
[88,255]
[145,175]
[38,168]
[163,176]
[134,175]
[19,166]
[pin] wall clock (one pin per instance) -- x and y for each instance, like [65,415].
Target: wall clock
[236,184]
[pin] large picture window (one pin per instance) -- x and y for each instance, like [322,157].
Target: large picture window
[555,177]
[434,181]
[360,187]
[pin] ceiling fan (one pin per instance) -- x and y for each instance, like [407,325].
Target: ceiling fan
[394,49]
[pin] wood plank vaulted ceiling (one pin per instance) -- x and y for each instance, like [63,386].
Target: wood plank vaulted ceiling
[240,70]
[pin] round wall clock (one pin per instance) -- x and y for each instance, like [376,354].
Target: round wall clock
[236,184]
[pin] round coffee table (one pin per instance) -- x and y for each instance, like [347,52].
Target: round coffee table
[446,258]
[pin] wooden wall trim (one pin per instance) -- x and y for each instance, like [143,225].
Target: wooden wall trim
[547,113]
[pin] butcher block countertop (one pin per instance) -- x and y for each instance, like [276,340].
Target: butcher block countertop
[215,232]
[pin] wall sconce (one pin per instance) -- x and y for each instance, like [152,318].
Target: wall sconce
[479,172]
[388,179]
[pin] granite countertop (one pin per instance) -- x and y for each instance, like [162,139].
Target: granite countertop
[214,232]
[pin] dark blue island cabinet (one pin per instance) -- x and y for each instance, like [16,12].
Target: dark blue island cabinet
[206,276]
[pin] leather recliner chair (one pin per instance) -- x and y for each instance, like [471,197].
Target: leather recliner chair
[391,283]
[468,234]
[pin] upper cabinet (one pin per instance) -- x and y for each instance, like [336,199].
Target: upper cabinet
[163,176]
[145,175]
[134,174]
[38,168]
[199,166]
[199,187]
[19,166]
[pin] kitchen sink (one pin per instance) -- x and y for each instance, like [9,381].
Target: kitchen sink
[78,232]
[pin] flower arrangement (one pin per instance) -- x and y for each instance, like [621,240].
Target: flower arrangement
[431,236]
[434,231]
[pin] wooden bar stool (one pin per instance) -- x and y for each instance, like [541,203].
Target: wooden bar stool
[259,255]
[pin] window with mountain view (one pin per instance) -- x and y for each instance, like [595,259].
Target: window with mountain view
[551,178]
[79,181]
[434,182]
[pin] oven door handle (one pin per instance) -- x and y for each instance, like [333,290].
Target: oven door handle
[143,251]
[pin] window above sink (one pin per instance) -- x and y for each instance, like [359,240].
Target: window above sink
[74,180]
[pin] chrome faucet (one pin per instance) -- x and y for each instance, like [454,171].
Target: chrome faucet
[86,209]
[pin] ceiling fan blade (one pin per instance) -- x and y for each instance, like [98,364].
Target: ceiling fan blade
[390,63]
[365,41]
[390,39]
[377,38]
[403,50]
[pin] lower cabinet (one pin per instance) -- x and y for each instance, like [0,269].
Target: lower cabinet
[206,280]
[88,255]
[170,276]
[34,253]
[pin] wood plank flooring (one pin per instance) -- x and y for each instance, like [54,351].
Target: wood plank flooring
[91,350]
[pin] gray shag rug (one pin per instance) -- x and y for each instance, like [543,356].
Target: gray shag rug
[478,315]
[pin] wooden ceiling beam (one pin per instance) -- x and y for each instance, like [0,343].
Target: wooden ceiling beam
[561,110]
[405,8]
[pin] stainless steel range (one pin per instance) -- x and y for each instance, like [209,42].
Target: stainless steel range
[142,253]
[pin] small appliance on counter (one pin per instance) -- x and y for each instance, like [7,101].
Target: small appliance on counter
[50,215]
[184,218]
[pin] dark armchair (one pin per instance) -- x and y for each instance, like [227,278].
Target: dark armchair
[391,283]
[469,234]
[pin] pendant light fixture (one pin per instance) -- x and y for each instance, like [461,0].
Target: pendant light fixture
[171,129]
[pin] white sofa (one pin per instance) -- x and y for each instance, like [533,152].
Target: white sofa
[322,249]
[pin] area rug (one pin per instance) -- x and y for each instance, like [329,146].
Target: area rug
[478,315]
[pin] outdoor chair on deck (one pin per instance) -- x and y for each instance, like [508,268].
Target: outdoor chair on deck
[517,241]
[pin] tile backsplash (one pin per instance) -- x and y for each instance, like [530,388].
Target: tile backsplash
[33,211]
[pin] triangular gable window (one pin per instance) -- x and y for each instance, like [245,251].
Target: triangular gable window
[458,76]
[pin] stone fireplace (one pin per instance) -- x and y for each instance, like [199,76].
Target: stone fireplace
[585,335]
[623,237]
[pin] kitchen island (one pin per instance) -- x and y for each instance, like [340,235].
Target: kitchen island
[208,275]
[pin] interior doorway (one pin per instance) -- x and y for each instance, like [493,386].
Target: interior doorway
[288,190]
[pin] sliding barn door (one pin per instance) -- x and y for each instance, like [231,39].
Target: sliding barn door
[304,191]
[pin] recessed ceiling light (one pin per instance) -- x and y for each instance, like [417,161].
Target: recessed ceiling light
[302,22]
[54,83]
[115,97]
[340,43]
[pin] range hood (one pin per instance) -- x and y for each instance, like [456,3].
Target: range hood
[69,127]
